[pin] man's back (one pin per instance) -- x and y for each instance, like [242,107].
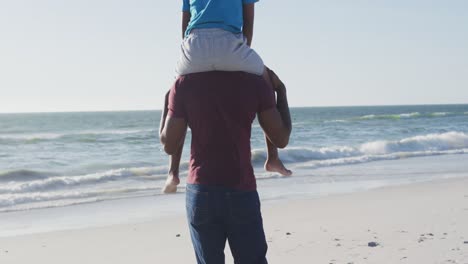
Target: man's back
[221,199]
[220,107]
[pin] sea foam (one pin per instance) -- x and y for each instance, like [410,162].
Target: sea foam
[437,114]
[60,182]
[35,197]
[395,116]
[406,115]
[431,144]
[75,135]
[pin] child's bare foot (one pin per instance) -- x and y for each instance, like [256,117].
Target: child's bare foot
[171,184]
[275,165]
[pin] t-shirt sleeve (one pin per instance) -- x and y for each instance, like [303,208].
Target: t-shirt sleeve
[186,6]
[249,1]
[175,105]
[266,97]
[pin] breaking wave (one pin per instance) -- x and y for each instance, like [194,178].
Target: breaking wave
[440,114]
[24,175]
[407,115]
[426,145]
[28,189]
[63,182]
[87,135]
[396,116]
[16,199]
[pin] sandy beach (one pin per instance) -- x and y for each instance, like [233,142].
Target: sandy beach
[369,112]
[418,223]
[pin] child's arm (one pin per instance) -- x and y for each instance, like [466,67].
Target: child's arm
[248,13]
[185,21]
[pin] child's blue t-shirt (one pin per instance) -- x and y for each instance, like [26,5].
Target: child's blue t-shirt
[224,14]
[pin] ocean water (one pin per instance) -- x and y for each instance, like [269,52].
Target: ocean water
[50,160]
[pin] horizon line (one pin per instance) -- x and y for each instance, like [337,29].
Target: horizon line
[292,107]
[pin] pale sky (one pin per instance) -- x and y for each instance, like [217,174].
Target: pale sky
[88,55]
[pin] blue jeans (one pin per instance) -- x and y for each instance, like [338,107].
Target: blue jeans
[217,214]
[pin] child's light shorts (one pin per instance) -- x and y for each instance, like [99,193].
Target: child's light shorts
[214,49]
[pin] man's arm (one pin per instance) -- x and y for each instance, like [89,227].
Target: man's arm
[164,113]
[276,122]
[185,21]
[249,14]
[173,134]
[171,130]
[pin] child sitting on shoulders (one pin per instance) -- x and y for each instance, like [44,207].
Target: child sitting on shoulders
[217,35]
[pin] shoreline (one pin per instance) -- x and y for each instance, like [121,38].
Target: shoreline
[416,223]
[304,185]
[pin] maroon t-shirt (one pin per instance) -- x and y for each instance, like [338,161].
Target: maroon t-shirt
[219,108]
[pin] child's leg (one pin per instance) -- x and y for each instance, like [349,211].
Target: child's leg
[273,162]
[173,174]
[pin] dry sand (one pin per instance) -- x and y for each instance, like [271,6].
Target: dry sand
[421,223]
